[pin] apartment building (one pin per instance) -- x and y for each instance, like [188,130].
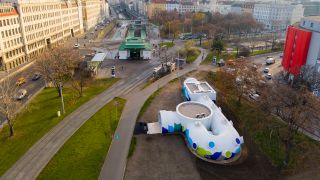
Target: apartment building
[278,16]
[40,24]
[12,52]
[92,12]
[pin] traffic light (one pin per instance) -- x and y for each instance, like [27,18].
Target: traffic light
[113,71]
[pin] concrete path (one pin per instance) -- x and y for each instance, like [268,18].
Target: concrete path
[115,162]
[36,158]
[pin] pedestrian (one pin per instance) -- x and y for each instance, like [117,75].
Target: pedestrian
[122,68]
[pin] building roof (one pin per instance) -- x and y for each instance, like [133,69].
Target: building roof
[99,57]
[7,9]
[158,1]
[134,43]
[312,18]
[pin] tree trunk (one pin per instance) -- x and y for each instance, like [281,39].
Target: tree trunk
[81,88]
[11,130]
[58,90]
[288,148]
[10,124]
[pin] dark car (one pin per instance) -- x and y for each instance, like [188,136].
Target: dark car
[36,76]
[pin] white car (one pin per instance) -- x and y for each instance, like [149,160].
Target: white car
[21,94]
[266,70]
[269,76]
[76,46]
[270,60]
[254,96]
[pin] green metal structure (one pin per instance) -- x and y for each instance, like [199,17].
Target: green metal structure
[136,45]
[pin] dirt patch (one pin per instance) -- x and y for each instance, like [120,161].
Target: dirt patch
[167,156]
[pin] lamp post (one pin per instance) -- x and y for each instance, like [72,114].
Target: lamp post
[61,95]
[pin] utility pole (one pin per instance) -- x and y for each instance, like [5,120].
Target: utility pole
[61,95]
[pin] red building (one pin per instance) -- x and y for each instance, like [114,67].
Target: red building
[296,49]
[302,46]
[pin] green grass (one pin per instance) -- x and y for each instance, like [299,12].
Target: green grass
[82,156]
[106,30]
[168,44]
[148,102]
[224,56]
[258,52]
[39,117]
[190,59]
[132,146]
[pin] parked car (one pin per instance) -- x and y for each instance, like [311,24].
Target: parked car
[21,94]
[76,45]
[268,76]
[270,60]
[231,62]
[254,96]
[36,76]
[21,81]
[221,63]
[266,70]
[281,55]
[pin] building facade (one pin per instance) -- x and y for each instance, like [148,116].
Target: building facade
[276,16]
[91,11]
[12,50]
[28,27]
[42,24]
[302,46]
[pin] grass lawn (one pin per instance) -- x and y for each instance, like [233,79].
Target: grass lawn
[190,59]
[265,51]
[106,30]
[148,102]
[260,127]
[39,117]
[82,156]
[168,44]
[224,56]
[132,146]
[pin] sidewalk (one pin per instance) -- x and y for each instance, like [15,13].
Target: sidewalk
[115,162]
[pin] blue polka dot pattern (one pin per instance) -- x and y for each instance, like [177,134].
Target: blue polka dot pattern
[194,145]
[211,144]
[238,140]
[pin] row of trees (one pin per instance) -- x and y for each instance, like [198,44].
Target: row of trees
[174,23]
[295,106]
[57,66]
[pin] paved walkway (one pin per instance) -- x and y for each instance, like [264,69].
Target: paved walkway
[115,162]
[36,158]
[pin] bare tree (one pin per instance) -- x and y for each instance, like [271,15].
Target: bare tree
[245,78]
[8,102]
[295,106]
[81,78]
[57,65]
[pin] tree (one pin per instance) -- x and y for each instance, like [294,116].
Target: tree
[217,44]
[8,103]
[295,106]
[57,65]
[246,78]
[81,78]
